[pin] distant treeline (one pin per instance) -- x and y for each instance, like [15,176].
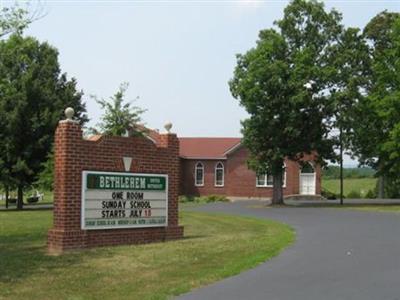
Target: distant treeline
[333,172]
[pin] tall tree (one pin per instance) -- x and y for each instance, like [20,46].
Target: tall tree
[33,95]
[377,115]
[119,116]
[352,63]
[45,179]
[283,84]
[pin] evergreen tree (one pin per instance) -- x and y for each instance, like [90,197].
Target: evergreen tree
[33,96]
[45,179]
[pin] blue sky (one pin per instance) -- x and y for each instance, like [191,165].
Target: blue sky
[177,55]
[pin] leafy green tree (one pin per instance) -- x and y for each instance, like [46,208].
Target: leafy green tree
[117,119]
[352,63]
[119,116]
[377,115]
[33,96]
[283,84]
[5,178]
[391,187]
[14,19]
[45,179]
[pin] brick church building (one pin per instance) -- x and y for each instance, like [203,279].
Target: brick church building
[219,166]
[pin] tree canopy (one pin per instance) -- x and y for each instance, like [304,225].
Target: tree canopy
[33,96]
[283,84]
[119,116]
[14,19]
[375,138]
[309,76]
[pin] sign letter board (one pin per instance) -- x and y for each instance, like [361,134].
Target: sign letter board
[113,200]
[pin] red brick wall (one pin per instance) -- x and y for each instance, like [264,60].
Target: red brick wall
[73,155]
[187,178]
[240,181]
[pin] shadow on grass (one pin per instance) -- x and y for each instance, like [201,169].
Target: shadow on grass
[26,254]
[193,237]
[30,209]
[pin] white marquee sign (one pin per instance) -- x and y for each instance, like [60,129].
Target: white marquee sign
[113,200]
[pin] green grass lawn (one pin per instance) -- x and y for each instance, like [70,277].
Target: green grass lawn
[214,247]
[360,185]
[384,207]
[394,208]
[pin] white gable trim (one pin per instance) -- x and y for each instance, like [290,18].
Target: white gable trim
[150,138]
[233,149]
[202,158]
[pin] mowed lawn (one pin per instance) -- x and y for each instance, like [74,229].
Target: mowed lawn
[214,247]
[393,208]
[360,185]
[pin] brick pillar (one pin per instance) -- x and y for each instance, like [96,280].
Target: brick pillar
[66,232]
[171,142]
[73,155]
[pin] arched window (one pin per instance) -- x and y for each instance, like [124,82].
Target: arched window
[219,174]
[199,174]
[267,180]
[307,168]
[307,179]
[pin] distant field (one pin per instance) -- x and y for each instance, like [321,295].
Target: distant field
[360,185]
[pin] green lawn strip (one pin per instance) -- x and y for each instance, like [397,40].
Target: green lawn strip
[384,207]
[360,185]
[394,208]
[215,246]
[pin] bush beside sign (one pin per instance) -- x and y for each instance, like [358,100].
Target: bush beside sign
[113,200]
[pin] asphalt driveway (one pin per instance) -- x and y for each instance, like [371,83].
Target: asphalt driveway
[339,254]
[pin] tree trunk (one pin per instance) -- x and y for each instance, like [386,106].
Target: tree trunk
[381,187]
[7,195]
[341,164]
[277,195]
[20,203]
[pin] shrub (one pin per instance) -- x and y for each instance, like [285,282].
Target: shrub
[392,187]
[32,199]
[371,194]
[12,200]
[214,198]
[354,195]
[328,194]
[203,199]
[186,199]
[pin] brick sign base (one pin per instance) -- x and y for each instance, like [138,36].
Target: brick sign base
[73,155]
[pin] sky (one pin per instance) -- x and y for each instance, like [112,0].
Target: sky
[177,56]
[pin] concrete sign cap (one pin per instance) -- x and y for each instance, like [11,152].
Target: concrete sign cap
[168,127]
[69,113]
